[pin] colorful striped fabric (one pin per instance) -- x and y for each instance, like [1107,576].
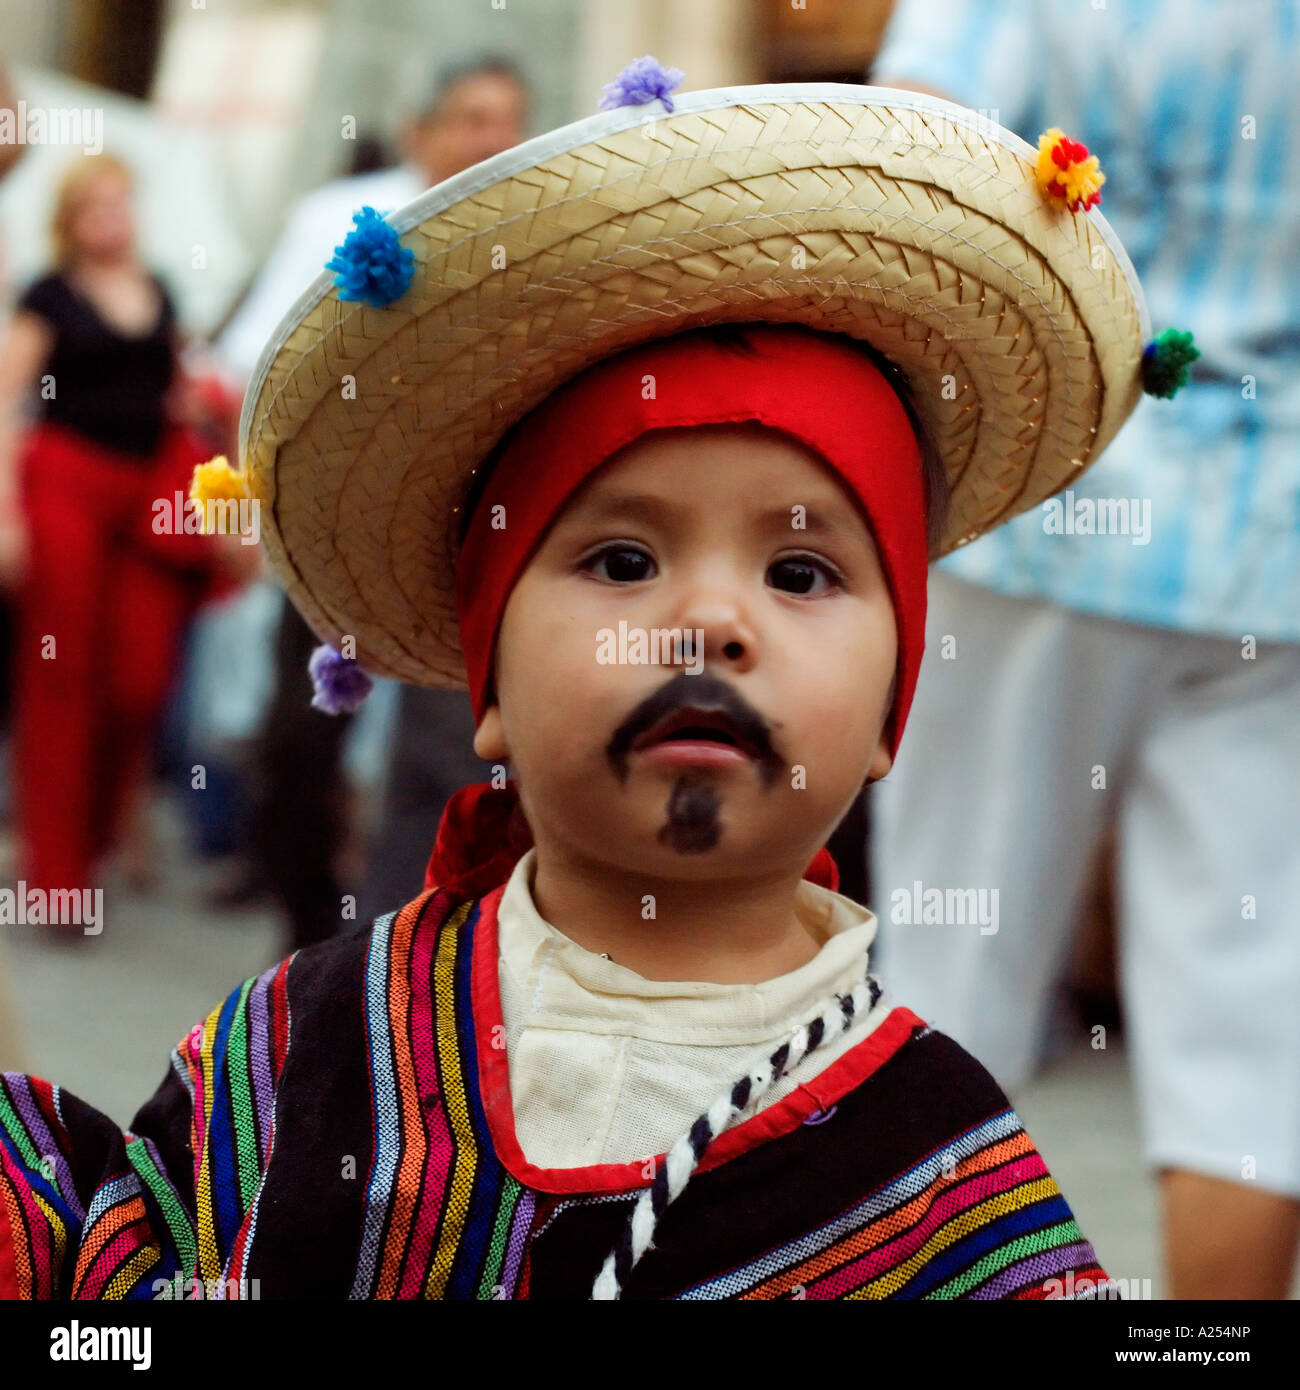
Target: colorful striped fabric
[145,1224]
[954,1226]
[340,1127]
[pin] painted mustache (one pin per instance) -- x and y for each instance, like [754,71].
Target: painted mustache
[704,694]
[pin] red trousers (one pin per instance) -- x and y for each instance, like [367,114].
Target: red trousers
[101,615]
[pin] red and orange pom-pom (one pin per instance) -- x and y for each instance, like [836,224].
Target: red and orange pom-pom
[1067,173]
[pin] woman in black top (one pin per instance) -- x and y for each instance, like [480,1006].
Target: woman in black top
[112,386]
[103,580]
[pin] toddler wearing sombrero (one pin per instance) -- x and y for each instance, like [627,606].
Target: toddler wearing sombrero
[644,431]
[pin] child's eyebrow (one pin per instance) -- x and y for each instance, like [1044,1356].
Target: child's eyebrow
[799,519]
[614,506]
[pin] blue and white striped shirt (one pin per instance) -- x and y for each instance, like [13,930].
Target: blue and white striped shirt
[1193,107]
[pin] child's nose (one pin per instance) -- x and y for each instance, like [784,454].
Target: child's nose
[715,623]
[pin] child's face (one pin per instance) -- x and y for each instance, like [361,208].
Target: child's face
[696,530]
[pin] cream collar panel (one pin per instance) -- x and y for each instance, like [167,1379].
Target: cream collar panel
[564,986]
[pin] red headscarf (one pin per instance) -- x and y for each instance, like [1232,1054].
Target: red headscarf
[817,387]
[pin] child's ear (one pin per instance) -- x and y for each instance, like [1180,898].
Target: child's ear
[881,761]
[490,737]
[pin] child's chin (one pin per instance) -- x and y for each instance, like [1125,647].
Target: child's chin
[704,856]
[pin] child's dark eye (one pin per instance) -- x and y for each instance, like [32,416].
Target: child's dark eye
[621,564]
[799,574]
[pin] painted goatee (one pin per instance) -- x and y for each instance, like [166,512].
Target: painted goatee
[692,826]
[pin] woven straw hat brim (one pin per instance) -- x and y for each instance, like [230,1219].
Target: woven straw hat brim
[881,214]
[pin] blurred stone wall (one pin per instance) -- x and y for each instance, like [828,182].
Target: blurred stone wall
[262,88]
[376,62]
[316,62]
[31,31]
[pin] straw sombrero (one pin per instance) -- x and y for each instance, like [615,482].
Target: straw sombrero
[882,214]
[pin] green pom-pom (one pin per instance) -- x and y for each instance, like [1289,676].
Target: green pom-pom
[1166,361]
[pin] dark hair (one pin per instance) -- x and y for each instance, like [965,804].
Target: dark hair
[735,337]
[485,65]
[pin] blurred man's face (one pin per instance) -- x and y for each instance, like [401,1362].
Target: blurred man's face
[480,116]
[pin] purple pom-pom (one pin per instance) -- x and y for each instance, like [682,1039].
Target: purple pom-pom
[340,683]
[372,264]
[642,81]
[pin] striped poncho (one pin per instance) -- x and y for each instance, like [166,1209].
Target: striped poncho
[340,1127]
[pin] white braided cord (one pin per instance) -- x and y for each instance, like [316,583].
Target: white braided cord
[682,1159]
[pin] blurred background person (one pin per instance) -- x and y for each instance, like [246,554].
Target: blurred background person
[10,154]
[102,596]
[10,1049]
[1149,682]
[479,108]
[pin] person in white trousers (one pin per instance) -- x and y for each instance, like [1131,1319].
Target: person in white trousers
[1128,655]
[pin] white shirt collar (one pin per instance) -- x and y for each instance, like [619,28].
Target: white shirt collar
[566,986]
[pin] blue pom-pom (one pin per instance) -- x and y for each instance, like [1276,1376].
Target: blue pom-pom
[340,683]
[372,265]
[642,81]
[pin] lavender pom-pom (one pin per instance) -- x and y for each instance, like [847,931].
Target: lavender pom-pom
[642,81]
[340,683]
[371,265]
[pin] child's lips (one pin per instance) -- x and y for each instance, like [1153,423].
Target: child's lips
[693,753]
[694,738]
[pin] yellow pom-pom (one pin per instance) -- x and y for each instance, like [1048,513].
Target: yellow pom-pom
[216,481]
[1067,173]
